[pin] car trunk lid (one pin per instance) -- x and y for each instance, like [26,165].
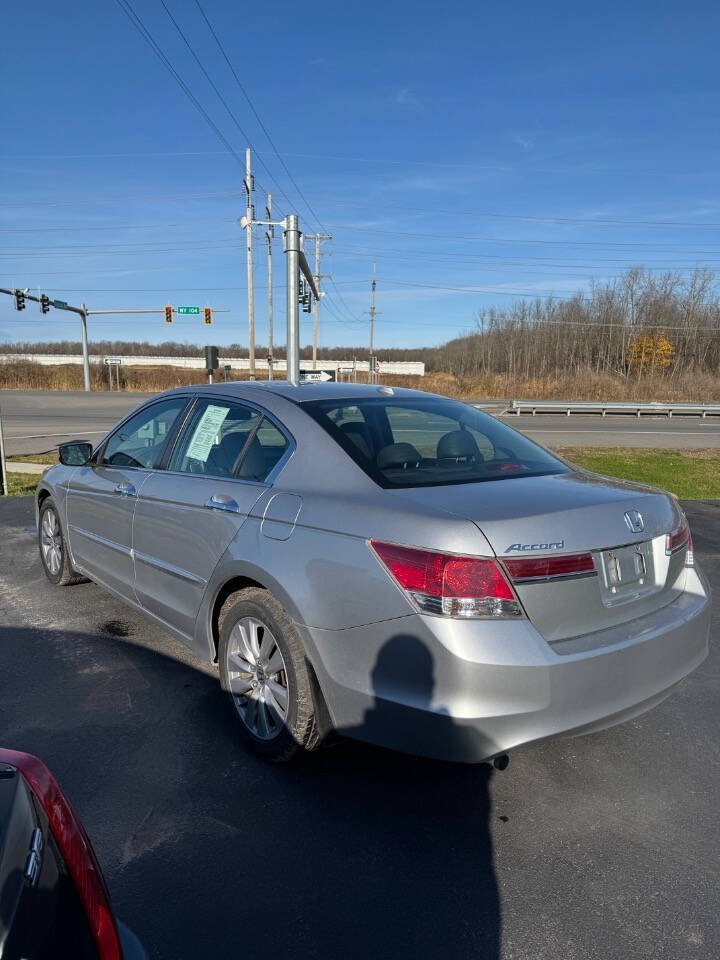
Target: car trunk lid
[621,525]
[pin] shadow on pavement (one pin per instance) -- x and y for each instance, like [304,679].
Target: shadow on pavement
[353,852]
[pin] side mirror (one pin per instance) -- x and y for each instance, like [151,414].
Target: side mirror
[75,454]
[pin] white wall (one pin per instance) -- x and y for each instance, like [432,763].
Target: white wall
[410,368]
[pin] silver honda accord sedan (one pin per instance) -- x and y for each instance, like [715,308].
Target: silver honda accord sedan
[396,566]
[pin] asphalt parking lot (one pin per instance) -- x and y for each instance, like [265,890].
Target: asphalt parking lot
[601,847]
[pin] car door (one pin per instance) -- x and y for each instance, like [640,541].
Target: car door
[187,515]
[102,495]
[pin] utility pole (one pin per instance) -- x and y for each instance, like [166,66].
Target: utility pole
[269,235]
[373,314]
[318,238]
[3,466]
[295,262]
[292,346]
[86,357]
[250,215]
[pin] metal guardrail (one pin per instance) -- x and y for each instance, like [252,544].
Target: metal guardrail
[654,408]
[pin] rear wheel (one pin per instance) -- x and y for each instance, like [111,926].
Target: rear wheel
[53,552]
[263,669]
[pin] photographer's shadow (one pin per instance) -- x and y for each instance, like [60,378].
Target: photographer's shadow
[418,879]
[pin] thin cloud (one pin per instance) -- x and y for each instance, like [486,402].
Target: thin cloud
[404,97]
[522,142]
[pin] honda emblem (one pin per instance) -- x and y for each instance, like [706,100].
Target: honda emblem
[634,521]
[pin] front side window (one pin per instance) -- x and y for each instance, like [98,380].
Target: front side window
[429,441]
[140,441]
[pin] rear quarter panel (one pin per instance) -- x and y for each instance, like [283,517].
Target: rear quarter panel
[324,572]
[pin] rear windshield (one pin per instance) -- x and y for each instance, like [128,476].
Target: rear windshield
[424,442]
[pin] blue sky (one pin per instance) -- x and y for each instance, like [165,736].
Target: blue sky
[477,152]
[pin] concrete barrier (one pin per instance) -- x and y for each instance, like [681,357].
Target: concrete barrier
[408,368]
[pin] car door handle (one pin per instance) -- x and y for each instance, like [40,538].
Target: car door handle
[220,501]
[126,489]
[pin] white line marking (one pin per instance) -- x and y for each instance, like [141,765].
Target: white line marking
[40,436]
[629,433]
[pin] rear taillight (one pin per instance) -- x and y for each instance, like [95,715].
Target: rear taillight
[449,585]
[566,566]
[676,540]
[75,849]
[689,556]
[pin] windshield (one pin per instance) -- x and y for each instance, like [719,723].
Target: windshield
[409,442]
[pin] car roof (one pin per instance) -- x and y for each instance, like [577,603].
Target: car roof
[304,392]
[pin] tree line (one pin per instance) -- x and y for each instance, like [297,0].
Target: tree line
[638,325]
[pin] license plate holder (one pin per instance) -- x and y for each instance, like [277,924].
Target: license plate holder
[627,571]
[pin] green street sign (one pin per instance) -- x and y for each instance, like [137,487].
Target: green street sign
[62,304]
[188,310]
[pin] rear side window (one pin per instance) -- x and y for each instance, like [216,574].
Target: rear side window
[430,441]
[272,443]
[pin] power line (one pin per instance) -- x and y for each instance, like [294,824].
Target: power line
[116,198]
[591,221]
[349,312]
[256,114]
[386,161]
[461,239]
[127,8]
[114,226]
[662,247]
[219,95]
[519,293]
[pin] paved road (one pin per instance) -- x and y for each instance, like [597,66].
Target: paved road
[36,421]
[598,848]
[554,430]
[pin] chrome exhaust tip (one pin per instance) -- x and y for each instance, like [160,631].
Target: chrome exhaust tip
[500,762]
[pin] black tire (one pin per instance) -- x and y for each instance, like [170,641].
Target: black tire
[299,731]
[64,575]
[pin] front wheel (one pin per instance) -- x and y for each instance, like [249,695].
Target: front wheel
[53,552]
[263,669]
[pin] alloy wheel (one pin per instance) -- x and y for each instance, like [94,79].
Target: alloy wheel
[257,678]
[51,542]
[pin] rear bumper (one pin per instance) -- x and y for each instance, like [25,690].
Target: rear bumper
[467,690]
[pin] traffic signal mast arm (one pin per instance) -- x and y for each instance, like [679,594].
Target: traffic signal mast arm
[304,265]
[45,303]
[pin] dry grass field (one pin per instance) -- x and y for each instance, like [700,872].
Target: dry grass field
[27,375]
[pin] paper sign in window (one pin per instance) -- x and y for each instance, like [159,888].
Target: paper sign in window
[206,432]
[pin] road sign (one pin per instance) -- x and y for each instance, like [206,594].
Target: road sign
[186,310]
[112,361]
[316,376]
[61,304]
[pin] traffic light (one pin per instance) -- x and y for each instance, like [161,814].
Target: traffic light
[168,311]
[207,315]
[19,300]
[44,303]
[211,359]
